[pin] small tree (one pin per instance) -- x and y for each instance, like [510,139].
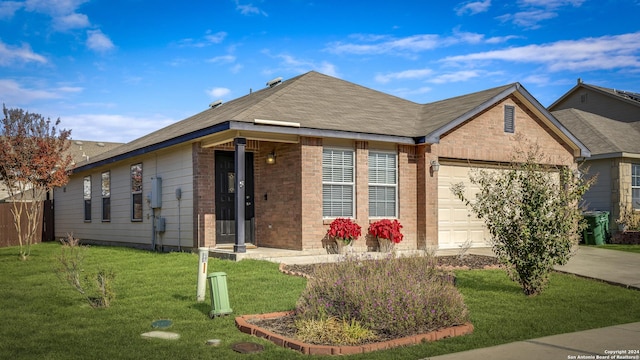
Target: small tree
[532,214]
[33,161]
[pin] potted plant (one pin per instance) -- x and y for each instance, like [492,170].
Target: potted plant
[387,233]
[343,231]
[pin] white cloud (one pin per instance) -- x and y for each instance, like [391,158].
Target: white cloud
[532,12]
[113,128]
[473,7]
[249,9]
[404,75]
[71,21]
[606,52]
[12,92]
[98,41]
[458,76]
[217,93]
[292,64]
[377,44]
[9,8]
[206,40]
[223,59]
[12,54]
[54,7]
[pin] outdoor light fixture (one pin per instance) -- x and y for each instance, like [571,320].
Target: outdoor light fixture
[271,158]
[435,166]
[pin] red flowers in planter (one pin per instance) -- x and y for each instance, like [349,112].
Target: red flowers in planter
[386,229]
[344,229]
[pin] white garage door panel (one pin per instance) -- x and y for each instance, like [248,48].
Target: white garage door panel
[456,223]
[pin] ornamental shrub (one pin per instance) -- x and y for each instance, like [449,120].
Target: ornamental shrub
[532,214]
[344,229]
[387,229]
[394,296]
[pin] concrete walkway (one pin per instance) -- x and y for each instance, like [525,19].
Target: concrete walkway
[614,342]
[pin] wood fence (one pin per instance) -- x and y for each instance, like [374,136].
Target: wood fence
[8,233]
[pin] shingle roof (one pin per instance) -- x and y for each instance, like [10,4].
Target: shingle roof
[321,102]
[601,134]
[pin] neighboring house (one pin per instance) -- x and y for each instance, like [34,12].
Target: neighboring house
[296,155]
[607,121]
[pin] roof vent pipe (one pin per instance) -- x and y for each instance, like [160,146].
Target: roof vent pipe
[274,82]
[215,104]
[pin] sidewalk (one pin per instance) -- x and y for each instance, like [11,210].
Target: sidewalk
[612,266]
[592,343]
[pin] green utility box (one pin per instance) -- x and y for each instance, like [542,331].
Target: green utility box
[219,294]
[598,227]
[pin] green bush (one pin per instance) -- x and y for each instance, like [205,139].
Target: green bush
[333,331]
[396,296]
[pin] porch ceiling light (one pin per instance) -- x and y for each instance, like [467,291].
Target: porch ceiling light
[435,166]
[271,158]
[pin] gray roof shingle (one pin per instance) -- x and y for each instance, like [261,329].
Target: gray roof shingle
[321,102]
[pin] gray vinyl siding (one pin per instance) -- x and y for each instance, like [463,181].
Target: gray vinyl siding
[175,168]
[601,104]
[599,195]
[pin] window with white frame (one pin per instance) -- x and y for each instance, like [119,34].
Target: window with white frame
[383,184]
[338,183]
[86,194]
[106,196]
[635,185]
[136,192]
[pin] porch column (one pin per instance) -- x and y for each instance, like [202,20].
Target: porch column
[240,145]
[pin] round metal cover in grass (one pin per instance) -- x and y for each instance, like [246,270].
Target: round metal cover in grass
[161,324]
[247,348]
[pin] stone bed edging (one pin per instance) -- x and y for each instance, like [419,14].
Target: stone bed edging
[243,324]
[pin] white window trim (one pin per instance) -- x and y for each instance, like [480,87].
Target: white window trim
[353,183]
[634,206]
[394,153]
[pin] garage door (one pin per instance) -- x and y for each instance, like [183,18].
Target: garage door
[456,222]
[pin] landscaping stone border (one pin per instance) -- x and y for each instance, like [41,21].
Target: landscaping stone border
[243,324]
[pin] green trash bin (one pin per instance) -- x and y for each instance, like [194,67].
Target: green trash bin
[598,227]
[219,294]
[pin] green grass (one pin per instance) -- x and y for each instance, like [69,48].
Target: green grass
[43,318]
[627,248]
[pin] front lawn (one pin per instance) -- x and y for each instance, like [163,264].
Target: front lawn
[44,318]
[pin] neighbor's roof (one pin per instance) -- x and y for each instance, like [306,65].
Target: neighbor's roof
[323,106]
[600,134]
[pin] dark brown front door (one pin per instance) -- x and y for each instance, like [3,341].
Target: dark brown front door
[225,198]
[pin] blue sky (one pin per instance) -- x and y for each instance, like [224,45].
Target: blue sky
[115,70]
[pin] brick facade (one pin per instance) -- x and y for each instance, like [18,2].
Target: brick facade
[288,194]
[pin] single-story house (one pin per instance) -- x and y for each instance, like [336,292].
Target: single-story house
[607,121]
[289,158]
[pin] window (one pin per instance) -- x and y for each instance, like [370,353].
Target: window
[86,193]
[509,119]
[635,185]
[338,183]
[136,192]
[106,196]
[383,184]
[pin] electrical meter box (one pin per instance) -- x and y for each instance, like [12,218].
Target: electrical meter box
[161,224]
[156,192]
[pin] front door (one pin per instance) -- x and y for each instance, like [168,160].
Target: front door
[226,195]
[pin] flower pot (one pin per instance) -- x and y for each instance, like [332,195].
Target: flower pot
[385,245]
[343,245]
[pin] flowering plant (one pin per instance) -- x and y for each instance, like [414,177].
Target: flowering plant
[344,229]
[386,229]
